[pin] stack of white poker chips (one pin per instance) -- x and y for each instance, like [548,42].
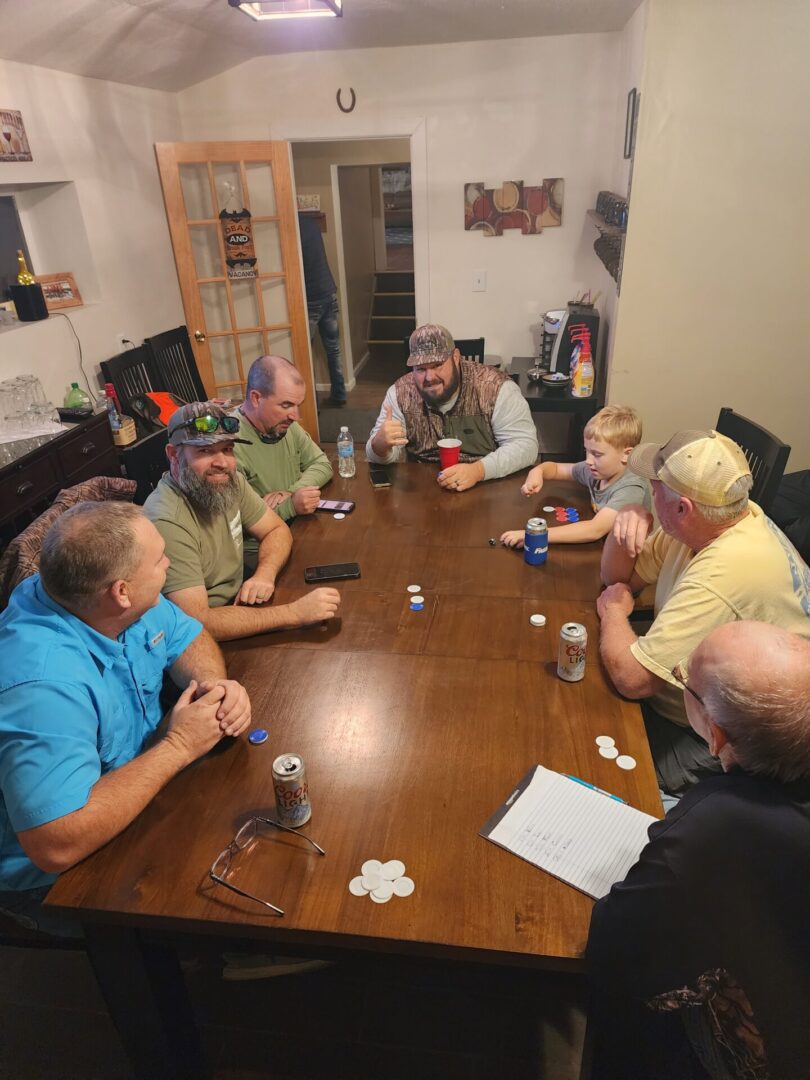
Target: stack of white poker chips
[381,881]
[608,749]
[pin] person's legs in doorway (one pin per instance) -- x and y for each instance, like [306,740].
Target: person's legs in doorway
[324,315]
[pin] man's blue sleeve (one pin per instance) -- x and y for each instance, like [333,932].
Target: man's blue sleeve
[180,629]
[49,759]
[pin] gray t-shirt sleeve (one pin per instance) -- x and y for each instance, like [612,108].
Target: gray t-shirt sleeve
[581,473]
[627,490]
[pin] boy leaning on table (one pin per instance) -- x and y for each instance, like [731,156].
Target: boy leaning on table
[610,435]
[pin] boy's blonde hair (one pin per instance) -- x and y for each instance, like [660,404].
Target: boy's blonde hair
[617,425]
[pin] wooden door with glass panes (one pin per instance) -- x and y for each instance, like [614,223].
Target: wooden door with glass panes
[233,320]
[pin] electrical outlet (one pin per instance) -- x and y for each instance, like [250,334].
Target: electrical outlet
[121,342]
[479,281]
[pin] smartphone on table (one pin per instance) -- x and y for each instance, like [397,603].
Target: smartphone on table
[335,506]
[315,575]
[379,477]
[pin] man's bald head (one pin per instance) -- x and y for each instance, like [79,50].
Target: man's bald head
[754,680]
[264,372]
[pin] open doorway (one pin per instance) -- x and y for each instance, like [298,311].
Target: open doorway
[360,191]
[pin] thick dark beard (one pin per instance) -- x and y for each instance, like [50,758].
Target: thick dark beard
[203,495]
[449,390]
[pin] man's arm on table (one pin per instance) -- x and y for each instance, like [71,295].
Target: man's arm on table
[389,412]
[514,432]
[275,545]
[623,546]
[203,662]
[616,641]
[117,798]
[316,472]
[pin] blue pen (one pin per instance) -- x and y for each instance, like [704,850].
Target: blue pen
[593,787]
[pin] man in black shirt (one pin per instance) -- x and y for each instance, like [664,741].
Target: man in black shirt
[702,953]
[322,305]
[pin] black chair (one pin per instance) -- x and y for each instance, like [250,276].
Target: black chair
[173,366]
[471,349]
[130,373]
[145,463]
[766,455]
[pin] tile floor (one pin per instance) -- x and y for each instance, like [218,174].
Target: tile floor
[373,1018]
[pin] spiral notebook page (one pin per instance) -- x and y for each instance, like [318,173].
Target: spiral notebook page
[578,835]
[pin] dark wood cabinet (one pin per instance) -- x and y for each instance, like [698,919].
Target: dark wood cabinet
[46,464]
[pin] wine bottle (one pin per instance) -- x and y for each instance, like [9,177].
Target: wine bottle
[24,275]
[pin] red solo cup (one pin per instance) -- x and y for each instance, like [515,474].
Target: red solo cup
[449,450]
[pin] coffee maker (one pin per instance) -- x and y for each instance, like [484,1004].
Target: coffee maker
[565,339]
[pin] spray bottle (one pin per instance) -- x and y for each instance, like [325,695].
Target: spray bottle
[582,377]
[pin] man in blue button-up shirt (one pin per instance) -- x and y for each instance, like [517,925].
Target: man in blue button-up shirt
[85,644]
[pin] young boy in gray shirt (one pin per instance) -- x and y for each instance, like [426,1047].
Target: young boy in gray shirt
[610,435]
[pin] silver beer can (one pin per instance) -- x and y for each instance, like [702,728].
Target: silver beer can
[572,652]
[292,790]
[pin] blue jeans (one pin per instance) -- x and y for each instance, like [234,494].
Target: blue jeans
[25,907]
[323,315]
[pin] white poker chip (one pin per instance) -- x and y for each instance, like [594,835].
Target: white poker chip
[624,761]
[356,887]
[371,882]
[604,740]
[609,752]
[403,886]
[377,899]
[414,588]
[392,869]
[548,509]
[371,866]
[417,600]
[338,517]
[384,891]
[537,620]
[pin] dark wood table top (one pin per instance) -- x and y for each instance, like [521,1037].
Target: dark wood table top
[414,727]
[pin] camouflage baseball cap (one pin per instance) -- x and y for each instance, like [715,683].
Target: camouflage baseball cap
[430,344]
[703,465]
[183,433]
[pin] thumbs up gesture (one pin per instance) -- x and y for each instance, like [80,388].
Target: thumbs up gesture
[390,434]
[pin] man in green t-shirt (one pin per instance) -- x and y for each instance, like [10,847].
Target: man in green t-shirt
[278,458]
[200,508]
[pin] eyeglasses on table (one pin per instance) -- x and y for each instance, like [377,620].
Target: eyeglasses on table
[244,837]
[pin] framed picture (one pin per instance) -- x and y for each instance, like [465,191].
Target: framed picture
[13,140]
[631,116]
[60,291]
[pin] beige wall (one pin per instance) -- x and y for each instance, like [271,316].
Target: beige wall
[494,110]
[357,227]
[312,165]
[101,217]
[714,307]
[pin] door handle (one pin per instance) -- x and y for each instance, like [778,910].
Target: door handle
[199,336]
[88,448]
[25,487]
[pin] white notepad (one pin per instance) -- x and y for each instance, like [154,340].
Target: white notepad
[579,835]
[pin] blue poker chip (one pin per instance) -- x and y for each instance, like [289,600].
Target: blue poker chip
[258,736]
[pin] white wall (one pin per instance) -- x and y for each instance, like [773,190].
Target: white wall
[491,111]
[714,308]
[99,136]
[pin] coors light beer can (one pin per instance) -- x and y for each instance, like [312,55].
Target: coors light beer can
[292,791]
[573,647]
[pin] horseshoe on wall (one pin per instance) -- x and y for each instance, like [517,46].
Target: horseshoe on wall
[340,104]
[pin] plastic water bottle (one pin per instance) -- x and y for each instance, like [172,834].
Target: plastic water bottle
[112,412]
[345,449]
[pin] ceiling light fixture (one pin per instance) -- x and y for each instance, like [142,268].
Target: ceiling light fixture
[289,9]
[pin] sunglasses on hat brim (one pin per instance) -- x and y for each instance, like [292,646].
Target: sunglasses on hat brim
[207,424]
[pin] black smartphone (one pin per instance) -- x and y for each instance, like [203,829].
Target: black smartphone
[334,506]
[314,575]
[379,477]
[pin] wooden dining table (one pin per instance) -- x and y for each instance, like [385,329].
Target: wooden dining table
[414,726]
